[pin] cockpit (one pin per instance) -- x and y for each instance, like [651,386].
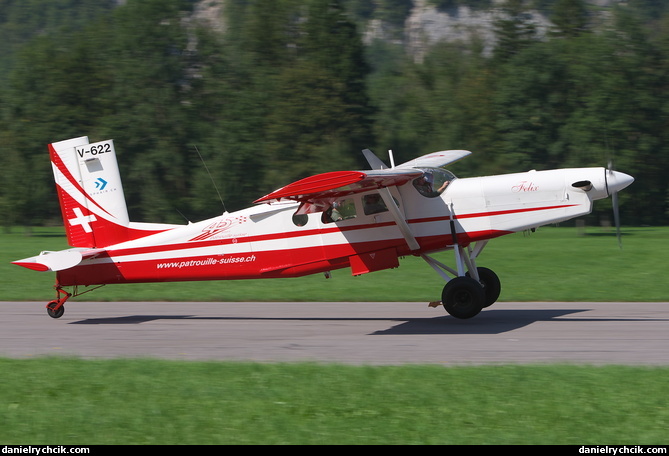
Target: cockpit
[433,182]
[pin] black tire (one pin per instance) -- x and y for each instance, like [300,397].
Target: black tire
[492,287]
[54,313]
[463,297]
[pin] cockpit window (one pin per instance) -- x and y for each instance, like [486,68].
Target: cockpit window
[433,182]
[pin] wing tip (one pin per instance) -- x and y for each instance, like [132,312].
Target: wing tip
[33,265]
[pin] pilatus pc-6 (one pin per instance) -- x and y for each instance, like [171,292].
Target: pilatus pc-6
[362,220]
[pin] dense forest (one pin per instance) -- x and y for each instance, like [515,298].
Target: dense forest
[287,88]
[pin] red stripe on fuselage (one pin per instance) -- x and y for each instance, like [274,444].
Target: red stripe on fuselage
[316,232]
[250,265]
[489,213]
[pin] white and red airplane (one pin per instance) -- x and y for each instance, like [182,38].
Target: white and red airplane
[362,220]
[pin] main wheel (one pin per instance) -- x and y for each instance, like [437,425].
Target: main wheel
[57,313]
[463,297]
[492,287]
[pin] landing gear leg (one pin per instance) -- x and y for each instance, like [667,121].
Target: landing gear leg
[56,308]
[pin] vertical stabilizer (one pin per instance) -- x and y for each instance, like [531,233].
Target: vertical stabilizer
[90,192]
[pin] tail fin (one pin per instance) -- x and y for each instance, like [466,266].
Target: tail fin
[91,194]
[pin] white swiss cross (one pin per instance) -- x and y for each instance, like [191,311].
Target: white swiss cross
[83,220]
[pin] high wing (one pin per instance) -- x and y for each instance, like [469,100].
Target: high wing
[435,159]
[316,193]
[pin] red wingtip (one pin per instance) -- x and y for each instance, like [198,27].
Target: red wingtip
[34,266]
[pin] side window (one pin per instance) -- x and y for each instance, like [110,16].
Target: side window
[300,219]
[340,210]
[373,204]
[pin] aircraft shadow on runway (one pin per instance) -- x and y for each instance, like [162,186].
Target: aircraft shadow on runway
[487,322]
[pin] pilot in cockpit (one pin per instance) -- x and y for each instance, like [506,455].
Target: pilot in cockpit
[427,182]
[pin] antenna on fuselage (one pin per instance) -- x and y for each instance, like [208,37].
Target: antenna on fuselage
[392,159]
[211,178]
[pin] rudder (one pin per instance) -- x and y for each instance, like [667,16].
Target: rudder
[90,192]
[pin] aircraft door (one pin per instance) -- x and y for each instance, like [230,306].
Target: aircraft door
[304,245]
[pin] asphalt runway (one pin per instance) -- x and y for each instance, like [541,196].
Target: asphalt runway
[372,333]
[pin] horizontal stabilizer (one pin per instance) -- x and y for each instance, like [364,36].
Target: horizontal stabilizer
[56,261]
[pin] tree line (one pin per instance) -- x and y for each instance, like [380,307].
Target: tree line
[288,89]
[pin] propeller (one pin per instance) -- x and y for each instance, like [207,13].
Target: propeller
[616,218]
[611,177]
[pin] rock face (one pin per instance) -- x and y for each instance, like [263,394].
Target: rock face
[425,25]
[210,12]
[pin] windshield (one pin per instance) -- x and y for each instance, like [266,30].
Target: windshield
[433,182]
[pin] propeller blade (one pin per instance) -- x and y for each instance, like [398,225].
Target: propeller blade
[616,218]
[616,181]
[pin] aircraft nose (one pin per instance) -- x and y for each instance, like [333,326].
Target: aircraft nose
[616,181]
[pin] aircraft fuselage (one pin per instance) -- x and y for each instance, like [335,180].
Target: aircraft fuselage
[269,241]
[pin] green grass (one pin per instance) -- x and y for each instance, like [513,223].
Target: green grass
[67,401]
[553,264]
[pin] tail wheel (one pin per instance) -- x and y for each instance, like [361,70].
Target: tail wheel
[463,297]
[492,287]
[55,309]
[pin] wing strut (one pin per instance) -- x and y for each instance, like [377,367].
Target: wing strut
[399,219]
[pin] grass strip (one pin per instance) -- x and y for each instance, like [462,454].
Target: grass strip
[145,401]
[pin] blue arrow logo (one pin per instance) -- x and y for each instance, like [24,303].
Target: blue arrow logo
[100,184]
